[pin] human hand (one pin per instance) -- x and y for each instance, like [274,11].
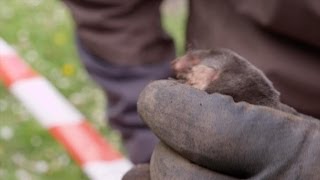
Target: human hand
[209,136]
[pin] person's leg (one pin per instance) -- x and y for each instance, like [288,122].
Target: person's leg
[123,47]
[291,65]
[122,86]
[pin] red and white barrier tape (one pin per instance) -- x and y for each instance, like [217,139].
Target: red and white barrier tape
[95,156]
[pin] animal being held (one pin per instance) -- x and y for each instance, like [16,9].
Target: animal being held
[223,71]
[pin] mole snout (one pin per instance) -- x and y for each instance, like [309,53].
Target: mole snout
[225,72]
[185,63]
[201,76]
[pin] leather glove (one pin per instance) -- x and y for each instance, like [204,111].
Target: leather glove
[212,137]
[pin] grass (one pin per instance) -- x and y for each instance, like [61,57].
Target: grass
[42,33]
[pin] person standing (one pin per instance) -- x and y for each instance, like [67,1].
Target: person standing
[124,47]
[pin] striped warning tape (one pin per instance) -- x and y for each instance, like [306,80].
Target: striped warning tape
[64,122]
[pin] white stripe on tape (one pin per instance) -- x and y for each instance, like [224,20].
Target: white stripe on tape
[48,106]
[5,48]
[112,170]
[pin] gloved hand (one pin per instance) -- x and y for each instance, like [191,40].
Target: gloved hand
[212,137]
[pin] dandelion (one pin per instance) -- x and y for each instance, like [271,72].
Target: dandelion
[68,69]
[77,99]
[63,83]
[18,159]
[6,133]
[55,73]
[41,167]
[59,39]
[32,55]
[22,174]
[63,160]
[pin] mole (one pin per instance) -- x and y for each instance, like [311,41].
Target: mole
[224,71]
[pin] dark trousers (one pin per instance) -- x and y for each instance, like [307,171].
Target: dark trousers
[124,47]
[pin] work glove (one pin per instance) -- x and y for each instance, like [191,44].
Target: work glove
[211,137]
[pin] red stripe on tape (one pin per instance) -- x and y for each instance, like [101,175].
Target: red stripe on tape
[84,143]
[13,69]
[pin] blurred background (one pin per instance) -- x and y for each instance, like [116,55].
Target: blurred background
[42,33]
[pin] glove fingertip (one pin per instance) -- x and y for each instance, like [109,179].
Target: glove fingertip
[139,172]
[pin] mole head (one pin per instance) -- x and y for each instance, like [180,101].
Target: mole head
[203,68]
[214,58]
[184,64]
[197,68]
[226,72]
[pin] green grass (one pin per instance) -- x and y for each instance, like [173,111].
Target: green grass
[41,31]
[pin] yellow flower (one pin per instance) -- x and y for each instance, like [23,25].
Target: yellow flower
[68,69]
[59,39]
